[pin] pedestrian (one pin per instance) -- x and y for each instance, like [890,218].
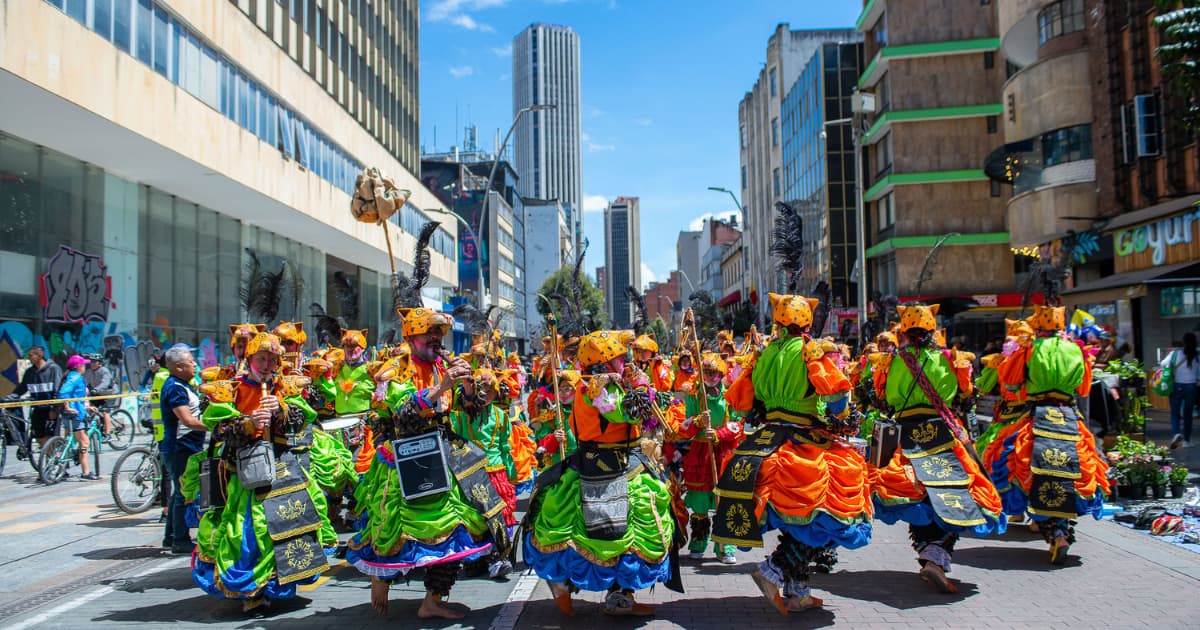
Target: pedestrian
[100,383]
[74,386]
[1183,394]
[41,382]
[183,436]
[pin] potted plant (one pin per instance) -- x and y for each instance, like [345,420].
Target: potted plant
[1178,477]
[1160,477]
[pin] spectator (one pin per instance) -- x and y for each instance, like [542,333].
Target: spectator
[1183,395]
[74,386]
[1106,351]
[100,382]
[183,436]
[41,382]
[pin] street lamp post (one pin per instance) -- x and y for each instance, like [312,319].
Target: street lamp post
[758,277]
[487,190]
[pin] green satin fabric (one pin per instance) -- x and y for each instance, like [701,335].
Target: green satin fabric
[780,378]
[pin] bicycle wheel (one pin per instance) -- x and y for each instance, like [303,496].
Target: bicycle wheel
[55,460]
[3,449]
[95,440]
[34,448]
[136,477]
[121,430]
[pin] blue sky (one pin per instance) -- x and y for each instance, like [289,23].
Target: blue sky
[661,82]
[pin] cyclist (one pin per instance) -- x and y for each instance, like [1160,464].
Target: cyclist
[75,387]
[100,382]
[41,382]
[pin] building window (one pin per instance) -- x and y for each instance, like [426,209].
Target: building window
[743,178]
[1070,144]
[774,89]
[1147,125]
[886,214]
[995,188]
[742,135]
[883,155]
[1060,18]
[989,60]
[992,124]
[774,132]
[775,175]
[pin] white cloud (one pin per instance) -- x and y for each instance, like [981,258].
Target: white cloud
[470,24]
[698,223]
[503,51]
[594,203]
[504,77]
[643,122]
[454,12]
[461,72]
[591,111]
[594,147]
[647,275]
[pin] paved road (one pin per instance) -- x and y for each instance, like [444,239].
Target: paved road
[69,560]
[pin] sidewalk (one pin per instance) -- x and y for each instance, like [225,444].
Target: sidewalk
[1158,429]
[1114,575]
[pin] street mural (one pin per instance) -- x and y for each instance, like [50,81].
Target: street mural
[75,288]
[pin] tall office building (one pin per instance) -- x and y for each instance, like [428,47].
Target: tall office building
[761,145]
[622,258]
[548,157]
[147,147]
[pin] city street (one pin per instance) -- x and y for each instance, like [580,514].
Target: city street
[71,560]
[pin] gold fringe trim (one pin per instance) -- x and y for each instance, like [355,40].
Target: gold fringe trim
[1061,474]
[303,529]
[282,491]
[303,574]
[932,451]
[1066,437]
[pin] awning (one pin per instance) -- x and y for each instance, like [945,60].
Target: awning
[734,297]
[1132,284]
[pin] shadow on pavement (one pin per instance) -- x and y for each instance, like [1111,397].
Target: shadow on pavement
[898,589]
[1011,558]
[198,609]
[402,613]
[687,612]
[124,553]
[115,519]
[711,567]
[168,580]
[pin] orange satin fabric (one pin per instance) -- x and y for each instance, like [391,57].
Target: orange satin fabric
[366,453]
[520,441]
[585,422]
[895,483]
[826,378]
[799,479]
[1092,467]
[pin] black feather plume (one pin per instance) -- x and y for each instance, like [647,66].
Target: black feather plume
[787,244]
[329,332]
[576,287]
[641,319]
[421,262]
[253,278]
[295,286]
[266,306]
[472,319]
[346,289]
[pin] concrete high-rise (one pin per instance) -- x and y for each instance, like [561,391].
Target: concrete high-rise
[622,258]
[548,158]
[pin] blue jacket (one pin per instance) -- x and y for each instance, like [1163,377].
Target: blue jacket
[74,387]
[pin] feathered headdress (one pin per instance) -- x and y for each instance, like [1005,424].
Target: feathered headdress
[406,292]
[787,244]
[642,316]
[930,262]
[262,291]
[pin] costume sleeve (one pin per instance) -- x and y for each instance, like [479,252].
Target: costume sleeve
[1085,388]
[325,385]
[219,412]
[740,395]
[826,378]
[1012,371]
[298,402]
[675,414]
[962,372]
[880,367]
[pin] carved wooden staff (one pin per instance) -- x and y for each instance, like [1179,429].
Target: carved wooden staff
[690,319]
[552,324]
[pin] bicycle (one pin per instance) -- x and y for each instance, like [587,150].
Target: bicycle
[14,429]
[121,430]
[61,452]
[137,478]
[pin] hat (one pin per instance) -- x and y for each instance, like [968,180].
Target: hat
[291,331]
[918,316]
[243,331]
[713,363]
[603,346]
[418,321]
[1017,328]
[1048,318]
[75,361]
[264,342]
[355,337]
[792,310]
[646,342]
[886,337]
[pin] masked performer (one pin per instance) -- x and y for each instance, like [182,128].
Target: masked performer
[645,355]
[436,528]
[1045,462]
[266,540]
[602,521]
[933,481]
[713,432]
[793,474]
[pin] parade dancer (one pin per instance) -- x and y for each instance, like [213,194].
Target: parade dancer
[1045,463]
[601,521]
[266,540]
[439,531]
[793,474]
[933,482]
[709,425]
[646,357]
[547,432]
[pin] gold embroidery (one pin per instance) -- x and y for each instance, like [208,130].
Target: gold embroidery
[951,500]
[291,509]
[936,468]
[741,471]
[925,433]
[1055,416]
[1056,457]
[298,554]
[1052,494]
[480,494]
[765,436]
[738,520]
[280,469]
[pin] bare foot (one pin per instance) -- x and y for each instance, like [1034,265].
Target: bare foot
[433,607]
[379,596]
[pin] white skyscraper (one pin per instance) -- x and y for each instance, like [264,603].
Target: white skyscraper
[547,143]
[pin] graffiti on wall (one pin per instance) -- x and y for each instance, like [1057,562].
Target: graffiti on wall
[75,288]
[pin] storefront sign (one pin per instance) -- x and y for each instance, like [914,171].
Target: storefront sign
[1162,239]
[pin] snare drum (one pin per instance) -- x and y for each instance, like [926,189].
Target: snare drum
[349,428]
[859,445]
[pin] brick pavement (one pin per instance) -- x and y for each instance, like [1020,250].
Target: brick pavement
[1115,577]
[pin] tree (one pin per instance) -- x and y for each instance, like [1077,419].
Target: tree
[662,333]
[708,317]
[558,292]
[1180,56]
[743,317]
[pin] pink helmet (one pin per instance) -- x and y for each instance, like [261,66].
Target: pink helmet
[75,361]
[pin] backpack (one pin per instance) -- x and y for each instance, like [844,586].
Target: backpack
[1163,379]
